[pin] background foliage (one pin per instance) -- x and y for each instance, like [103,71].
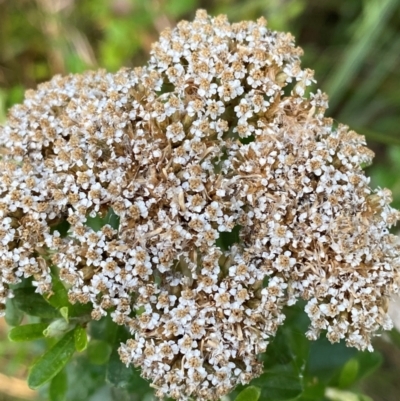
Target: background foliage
[354,48]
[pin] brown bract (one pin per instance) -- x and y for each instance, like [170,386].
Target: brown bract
[217,132]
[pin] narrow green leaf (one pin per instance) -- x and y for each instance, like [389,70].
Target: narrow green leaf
[13,315]
[374,78]
[58,386]
[334,394]
[32,303]
[52,362]
[348,374]
[380,137]
[81,340]
[370,26]
[250,393]
[27,332]
[98,352]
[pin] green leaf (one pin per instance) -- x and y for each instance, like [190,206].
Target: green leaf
[52,362]
[79,309]
[58,386]
[284,362]
[280,383]
[27,332]
[13,315]
[326,359]
[368,362]
[112,219]
[227,239]
[355,369]
[32,303]
[57,328]
[81,340]
[349,372]
[64,311]
[90,378]
[97,222]
[104,329]
[62,227]
[313,390]
[250,393]
[59,297]
[177,8]
[334,394]
[393,334]
[98,352]
[119,375]
[3,114]
[368,29]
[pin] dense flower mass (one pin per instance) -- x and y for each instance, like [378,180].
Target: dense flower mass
[217,134]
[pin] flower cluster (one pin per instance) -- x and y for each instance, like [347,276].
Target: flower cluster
[217,134]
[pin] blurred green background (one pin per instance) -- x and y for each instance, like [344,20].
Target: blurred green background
[353,46]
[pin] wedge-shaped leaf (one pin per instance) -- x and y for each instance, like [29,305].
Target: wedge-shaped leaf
[51,363]
[284,364]
[250,393]
[326,360]
[58,386]
[32,303]
[80,339]
[27,332]
[282,382]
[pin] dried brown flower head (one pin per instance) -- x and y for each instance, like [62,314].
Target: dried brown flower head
[216,134]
